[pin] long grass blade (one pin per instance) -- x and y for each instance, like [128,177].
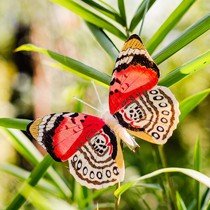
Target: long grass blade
[190,34]
[168,25]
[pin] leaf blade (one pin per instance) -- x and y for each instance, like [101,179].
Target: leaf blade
[139,14]
[187,105]
[190,34]
[189,172]
[186,69]
[168,25]
[71,64]
[90,17]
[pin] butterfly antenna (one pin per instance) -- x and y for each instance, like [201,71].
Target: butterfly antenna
[98,96]
[80,100]
[143,18]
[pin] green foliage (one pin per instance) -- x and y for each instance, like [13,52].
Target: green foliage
[44,187]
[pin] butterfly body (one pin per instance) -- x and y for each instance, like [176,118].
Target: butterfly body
[137,106]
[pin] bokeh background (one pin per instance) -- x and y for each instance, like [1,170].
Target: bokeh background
[32,87]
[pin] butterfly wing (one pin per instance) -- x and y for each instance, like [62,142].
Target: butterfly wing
[146,110]
[134,72]
[90,146]
[151,116]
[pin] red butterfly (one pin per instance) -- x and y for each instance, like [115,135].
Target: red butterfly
[137,105]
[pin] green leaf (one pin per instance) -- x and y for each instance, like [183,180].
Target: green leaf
[32,180]
[139,14]
[34,196]
[185,70]
[90,17]
[104,41]
[205,204]
[179,202]
[191,33]
[187,105]
[168,25]
[111,14]
[70,64]
[22,174]
[121,6]
[189,172]
[16,123]
[25,147]
[197,162]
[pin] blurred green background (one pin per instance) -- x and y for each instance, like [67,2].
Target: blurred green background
[32,87]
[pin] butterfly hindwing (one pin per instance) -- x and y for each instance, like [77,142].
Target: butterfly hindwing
[90,146]
[151,116]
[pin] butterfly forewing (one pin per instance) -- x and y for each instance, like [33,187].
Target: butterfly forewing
[134,71]
[90,146]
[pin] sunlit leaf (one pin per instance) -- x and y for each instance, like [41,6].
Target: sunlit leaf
[139,14]
[111,14]
[187,105]
[25,147]
[16,123]
[104,41]
[22,174]
[197,162]
[35,197]
[179,202]
[90,17]
[186,69]
[71,64]
[168,25]
[190,34]
[189,172]
[205,203]
[32,180]
[121,6]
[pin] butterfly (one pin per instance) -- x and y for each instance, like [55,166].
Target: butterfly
[137,106]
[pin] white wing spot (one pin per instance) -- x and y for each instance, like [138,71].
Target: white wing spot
[160,128]
[163,104]
[108,173]
[92,175]
[155,135]
[85,170]
[164,120]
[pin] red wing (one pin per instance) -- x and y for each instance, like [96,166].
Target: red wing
[90,146]
[134,72]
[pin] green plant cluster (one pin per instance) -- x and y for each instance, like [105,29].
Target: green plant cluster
[44,186]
